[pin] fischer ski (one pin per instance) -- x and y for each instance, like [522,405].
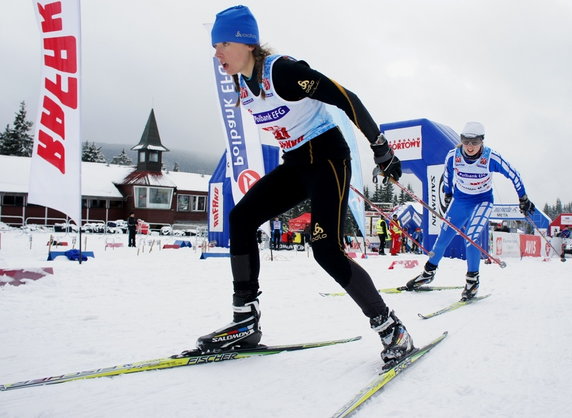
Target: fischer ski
[453,306]
[401,289]
[187,358]
[384,377]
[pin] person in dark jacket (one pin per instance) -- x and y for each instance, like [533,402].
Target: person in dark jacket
[132,229]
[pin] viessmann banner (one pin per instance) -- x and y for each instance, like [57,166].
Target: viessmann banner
[55,172]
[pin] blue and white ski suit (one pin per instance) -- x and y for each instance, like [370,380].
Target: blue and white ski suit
[470,184]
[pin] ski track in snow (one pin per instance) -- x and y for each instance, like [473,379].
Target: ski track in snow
[506,356]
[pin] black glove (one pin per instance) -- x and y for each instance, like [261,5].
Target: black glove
[385,159]
[526,206]
[447,200]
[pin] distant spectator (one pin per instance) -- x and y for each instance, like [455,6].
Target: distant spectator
[131,228]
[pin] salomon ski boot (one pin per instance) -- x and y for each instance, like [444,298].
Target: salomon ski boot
[424,278]
[243,332]
[397,343]
[472,285]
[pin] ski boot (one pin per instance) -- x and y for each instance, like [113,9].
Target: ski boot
[243,332]
[397,343]
[472,286]
[424,278]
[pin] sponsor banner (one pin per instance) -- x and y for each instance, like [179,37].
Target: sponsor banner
[216,206]
[435,196]
[506,212]
[566,220]
[407,143]
[244,151]
[530,245]
[505,244]
[55,171]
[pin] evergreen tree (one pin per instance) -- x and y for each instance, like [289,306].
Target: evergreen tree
[92,153]
[176,167]
[387,194]
[18,140]
[122,159]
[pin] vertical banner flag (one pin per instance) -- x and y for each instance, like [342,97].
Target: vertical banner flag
[243,147]
[355,202]
[55,172]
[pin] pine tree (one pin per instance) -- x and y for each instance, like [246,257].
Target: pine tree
[18,140]
[176,167]
[122,159]
[92,153]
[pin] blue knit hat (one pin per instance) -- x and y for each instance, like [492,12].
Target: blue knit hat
[235,24]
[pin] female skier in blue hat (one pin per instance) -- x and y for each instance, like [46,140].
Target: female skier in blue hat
[288,98]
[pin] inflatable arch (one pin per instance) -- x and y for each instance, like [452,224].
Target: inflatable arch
[422,146]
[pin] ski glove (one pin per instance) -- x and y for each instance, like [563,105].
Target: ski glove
[383,156]
[447,201]
[526,206]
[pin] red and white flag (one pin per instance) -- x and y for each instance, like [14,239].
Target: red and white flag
[55,172]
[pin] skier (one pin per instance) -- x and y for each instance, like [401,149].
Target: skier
[467,182]
[287,97]
[381,230]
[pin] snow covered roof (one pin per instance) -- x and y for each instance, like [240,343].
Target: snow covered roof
[97,179]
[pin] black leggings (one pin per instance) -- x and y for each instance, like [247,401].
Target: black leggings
[326,184]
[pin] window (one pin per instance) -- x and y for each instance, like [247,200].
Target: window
[141,156]
[199,203]
[12,200]
[191,203]
[153,197]
[183,203]
[154,156]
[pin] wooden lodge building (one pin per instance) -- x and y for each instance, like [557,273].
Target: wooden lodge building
[111,192]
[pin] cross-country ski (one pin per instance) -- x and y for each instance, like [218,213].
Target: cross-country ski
[453,306]
[386,376]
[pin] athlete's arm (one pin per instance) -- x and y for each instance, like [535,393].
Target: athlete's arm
[295,80]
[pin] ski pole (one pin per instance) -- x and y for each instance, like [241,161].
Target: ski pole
[386,216]
[501,263]
[562,256]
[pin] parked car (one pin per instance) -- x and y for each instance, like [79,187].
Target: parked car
[93,227]
[117,226]
[65,227]
[168,230]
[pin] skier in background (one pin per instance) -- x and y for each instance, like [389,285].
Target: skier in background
[287,98]
[468,186]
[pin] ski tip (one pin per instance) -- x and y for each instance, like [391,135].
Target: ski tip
[422,316]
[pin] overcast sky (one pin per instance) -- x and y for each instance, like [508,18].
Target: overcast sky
[507,64]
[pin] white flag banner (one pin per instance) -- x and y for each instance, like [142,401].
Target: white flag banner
[55,172]
[243,147]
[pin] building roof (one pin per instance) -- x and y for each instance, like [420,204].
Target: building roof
[150,139]
[97,180]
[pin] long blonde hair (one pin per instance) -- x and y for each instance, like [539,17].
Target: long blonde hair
[260,53]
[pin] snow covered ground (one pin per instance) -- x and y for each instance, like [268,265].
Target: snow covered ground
[506,356]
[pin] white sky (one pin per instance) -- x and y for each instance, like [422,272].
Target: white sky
[504,63]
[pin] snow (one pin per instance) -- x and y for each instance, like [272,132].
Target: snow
[505,356]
